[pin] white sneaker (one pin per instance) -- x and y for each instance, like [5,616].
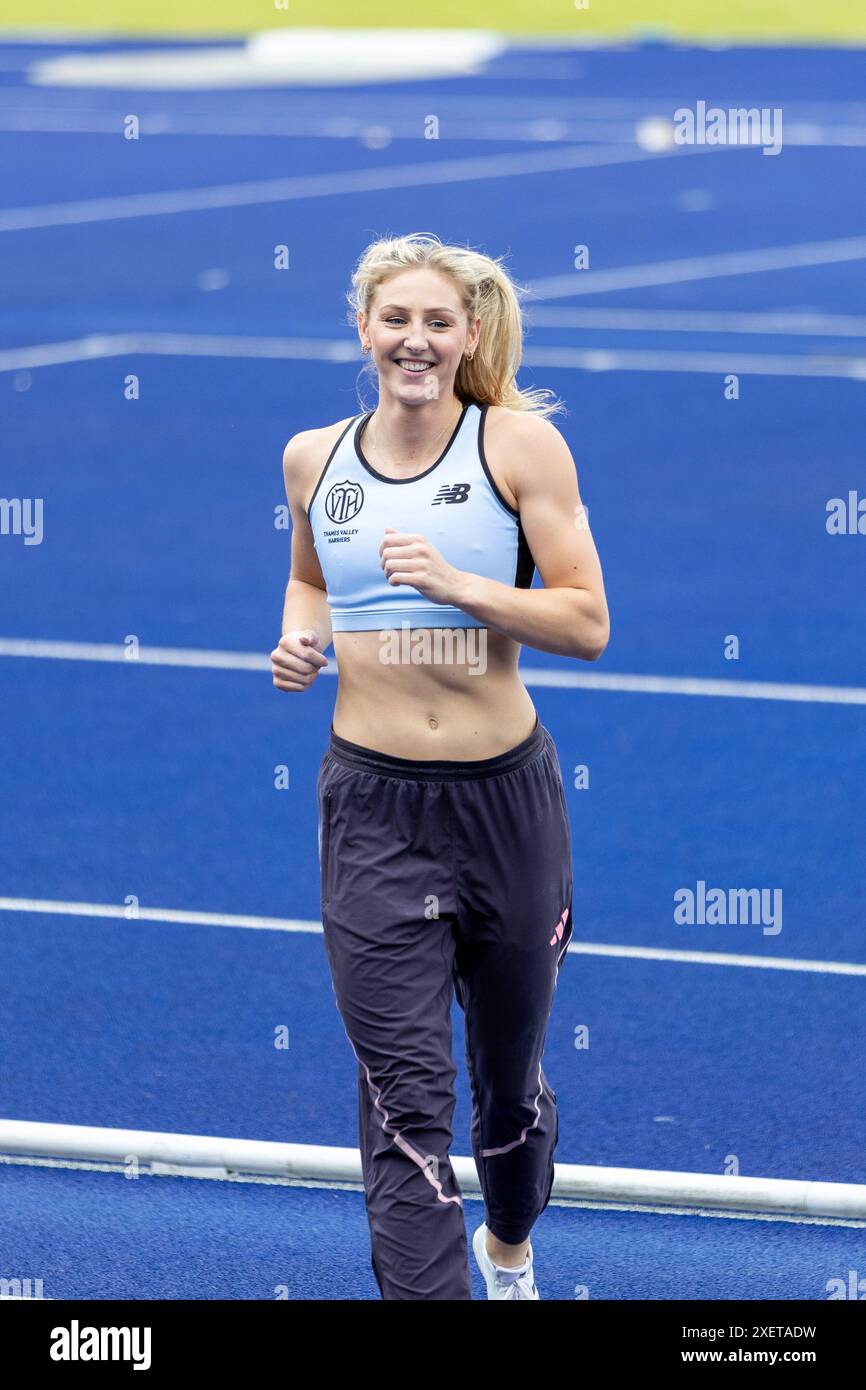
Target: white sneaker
[501,1282]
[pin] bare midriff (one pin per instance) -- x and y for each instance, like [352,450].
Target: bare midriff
[460,699]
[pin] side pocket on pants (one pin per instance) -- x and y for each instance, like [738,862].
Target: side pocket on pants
[325,848]
[559,782]
[565,816]
[562,797]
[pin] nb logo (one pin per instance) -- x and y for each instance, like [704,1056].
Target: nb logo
[453,492]
[344,501]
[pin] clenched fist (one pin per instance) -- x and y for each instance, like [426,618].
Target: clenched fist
[297,659]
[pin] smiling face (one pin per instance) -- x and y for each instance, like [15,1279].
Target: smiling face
[418,329]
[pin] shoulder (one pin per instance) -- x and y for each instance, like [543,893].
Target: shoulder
[307,447]
[524,447]
[520,425]
[305,456]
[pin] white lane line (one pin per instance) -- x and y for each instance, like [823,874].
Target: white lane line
[385,103]
[691,685]
[102,345]
[146,656]
[377,179]
[815,967]
[811,135]
[701,321]
[220,1175]
[630,277]
[553,127]
[385,129]
[594,359]
[603,359]
[119,912]
[548,677]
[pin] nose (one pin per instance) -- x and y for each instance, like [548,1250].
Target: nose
[416,338]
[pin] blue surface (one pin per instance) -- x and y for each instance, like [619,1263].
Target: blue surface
[710,520]
[167,1027]
[101,1235]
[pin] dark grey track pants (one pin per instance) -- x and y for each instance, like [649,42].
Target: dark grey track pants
[438,876]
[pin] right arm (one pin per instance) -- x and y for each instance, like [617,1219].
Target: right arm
[306,628]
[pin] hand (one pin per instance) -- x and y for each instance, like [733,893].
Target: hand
[297,659]
[411,559]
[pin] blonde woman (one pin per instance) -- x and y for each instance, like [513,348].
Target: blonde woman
[444,840]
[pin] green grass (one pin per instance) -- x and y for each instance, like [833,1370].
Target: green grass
[787,21]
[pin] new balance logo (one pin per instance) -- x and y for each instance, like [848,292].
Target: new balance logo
[452,492]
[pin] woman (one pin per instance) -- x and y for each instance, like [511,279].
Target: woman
[445,846]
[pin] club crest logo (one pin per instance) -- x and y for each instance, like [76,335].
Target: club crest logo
[344,501]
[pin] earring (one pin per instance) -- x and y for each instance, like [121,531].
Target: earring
[469,356]
[366,347]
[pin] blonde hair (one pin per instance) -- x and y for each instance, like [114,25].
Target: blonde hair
[488,293]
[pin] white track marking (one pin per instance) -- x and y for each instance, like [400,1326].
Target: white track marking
[818,967]
[603,359]
[551,128]
[590,359]
[691,685]
[548,677]
[631,277]
[377,179]
[465,106]
[118,912]
[147,656]
[103,345]
[549,131]
[701,321]
[84,1165]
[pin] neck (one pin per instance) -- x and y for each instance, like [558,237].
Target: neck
[409,429]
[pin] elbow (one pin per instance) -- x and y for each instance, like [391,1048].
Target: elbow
[593,649]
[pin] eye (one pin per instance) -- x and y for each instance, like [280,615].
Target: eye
[440,323]
[395,318]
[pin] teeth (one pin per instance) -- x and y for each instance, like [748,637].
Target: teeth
[410,365]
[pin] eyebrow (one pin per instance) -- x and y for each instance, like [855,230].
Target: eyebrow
[403,310]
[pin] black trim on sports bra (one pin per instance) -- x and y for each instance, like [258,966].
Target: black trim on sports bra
[328,462]
[525,568]
[512,511]
[381,476]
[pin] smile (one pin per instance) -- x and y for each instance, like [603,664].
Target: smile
[413,365]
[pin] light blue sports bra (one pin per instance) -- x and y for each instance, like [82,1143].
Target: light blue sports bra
[455,503]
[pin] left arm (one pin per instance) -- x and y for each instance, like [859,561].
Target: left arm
[569,616]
